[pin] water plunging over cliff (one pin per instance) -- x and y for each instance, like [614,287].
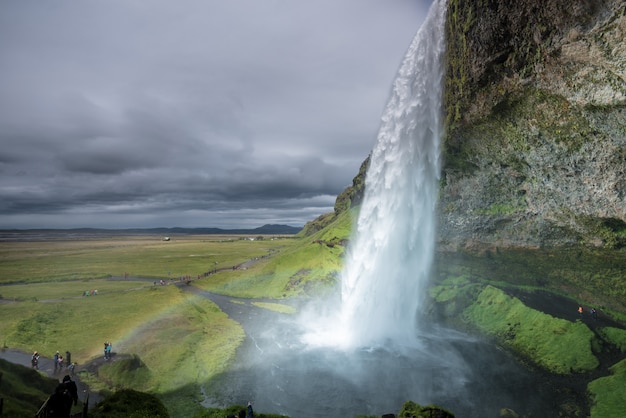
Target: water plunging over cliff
[368,355]
[390,256]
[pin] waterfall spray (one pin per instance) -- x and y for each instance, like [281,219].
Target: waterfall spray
[368,355]
[390,256]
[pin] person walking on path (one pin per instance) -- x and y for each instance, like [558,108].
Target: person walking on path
[56,361]
[34,361]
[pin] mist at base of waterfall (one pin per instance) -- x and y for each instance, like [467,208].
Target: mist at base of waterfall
[471,378]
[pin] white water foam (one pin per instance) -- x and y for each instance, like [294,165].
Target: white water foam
[390,256]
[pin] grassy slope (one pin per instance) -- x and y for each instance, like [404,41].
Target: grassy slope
[608,393]
[24,390]
[557,345]
[160,323]
[554,344]
[308,267]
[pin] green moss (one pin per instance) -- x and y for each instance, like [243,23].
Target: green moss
[616,336]
[555,344]
[23,390]
[607,393]
[276,307]
[232,410]
[128,403]
[411,409]
[126,373]
[595,276]
[500,209]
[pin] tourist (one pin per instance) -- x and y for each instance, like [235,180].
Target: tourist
[60,403]
[107,350]
[580,311]
[72,366]
[249,413]
[34,360]
[56,361]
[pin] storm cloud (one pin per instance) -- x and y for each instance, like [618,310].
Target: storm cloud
[231,114]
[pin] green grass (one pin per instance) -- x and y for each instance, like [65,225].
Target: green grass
[616,336]
[233,409]
[24,390]
[306,267]
[607,393]
[128,403]
[67,290]
[179,339]
[593,276]
[555,344]
[54,261]
[276,307]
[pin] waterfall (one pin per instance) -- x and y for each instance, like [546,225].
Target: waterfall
[390,259]
[390,256]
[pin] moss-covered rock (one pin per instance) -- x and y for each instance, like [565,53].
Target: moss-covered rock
[411,409]
[129,403]
[535,101]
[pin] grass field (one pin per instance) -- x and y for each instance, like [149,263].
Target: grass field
[84,259]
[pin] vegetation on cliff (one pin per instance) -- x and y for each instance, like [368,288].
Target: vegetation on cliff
[536,135]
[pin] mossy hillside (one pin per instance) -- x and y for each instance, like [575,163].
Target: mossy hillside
[128,403]
[607,393]
[174,340]
[234,410]
[23,390]
[350,198]
[615,336]
[411,409]
[308,267]
[593,276]
[188,345]
[555,344]
[452,296]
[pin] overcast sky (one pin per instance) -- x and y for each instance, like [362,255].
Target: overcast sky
[190,113]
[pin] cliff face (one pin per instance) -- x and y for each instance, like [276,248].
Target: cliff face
[535,153]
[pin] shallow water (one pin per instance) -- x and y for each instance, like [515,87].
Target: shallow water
[470,377]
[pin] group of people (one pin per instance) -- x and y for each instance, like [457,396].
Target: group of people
[592,312]
[59,362]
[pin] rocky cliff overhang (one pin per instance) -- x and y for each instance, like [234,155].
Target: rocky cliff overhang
[535,152]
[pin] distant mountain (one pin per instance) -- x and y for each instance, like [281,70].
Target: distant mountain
[263,230]
[37,234]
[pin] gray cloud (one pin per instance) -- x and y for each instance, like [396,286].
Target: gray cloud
[191,113]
